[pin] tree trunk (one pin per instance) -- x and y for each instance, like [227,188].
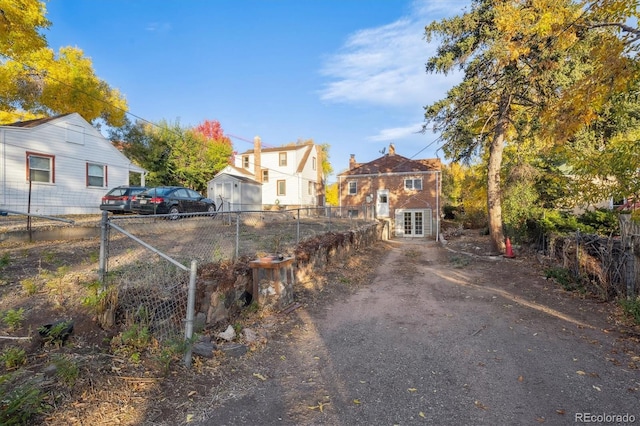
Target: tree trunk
[494,192]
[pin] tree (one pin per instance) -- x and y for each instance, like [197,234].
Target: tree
[332,197]
[173,155]
[35,82]
[519,59]
[212,130]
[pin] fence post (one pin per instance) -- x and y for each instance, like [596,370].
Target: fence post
[102,266]
[298,229]
[238,214]
[629,266]
[191,307]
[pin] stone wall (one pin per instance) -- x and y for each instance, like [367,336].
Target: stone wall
[223,293]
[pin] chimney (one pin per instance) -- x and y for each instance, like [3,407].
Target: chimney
[392,149]
[257,154]
[352,161]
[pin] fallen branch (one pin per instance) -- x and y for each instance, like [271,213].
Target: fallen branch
[15,338]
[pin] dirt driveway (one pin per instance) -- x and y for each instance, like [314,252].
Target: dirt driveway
[439,336]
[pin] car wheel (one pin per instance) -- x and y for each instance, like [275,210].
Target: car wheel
[212,211]
[173,213]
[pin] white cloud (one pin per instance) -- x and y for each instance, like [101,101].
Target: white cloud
[386,65]
[396,133]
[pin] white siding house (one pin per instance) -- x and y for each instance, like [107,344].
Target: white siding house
[291,175]
[63,164]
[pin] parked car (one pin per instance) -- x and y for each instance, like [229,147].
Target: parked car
[118,200]
[171,200]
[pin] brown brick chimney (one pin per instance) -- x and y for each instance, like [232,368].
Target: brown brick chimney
[257,154]
[352,161]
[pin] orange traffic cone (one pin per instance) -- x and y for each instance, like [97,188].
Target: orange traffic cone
[508,250]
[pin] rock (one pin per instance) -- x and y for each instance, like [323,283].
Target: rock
[204,349]
[229,334]
[235,350]
[199,322]
[249,335]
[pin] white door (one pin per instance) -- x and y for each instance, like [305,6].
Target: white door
[413,223]
[382,203]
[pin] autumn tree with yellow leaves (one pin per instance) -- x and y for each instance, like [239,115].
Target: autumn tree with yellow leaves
[525,80]
[36,82]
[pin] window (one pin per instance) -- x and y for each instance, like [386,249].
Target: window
[245,161]
[265,175]
[282,187]
[415,184]
[311,188]
[40,168]
[96,175]
[352,187]
[283,159]
[314,163]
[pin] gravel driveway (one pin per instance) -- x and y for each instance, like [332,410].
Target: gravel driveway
[437,340]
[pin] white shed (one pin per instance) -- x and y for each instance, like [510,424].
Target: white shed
[235,193]
[62,164]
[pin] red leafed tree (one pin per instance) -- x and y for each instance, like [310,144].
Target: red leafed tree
[212,130]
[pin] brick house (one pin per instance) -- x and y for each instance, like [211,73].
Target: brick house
[402,191]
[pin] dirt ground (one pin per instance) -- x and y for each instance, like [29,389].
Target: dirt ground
[113,384]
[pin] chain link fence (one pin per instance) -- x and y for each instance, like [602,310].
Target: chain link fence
[148,263]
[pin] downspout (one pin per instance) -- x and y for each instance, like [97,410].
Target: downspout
[437,206]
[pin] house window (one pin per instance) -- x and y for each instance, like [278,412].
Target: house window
[96,175]
[245,161]
[265,175]
[310,188]
[283,159]
[314,163]
[415,184]
[41,168]
[282,187]
[353,187]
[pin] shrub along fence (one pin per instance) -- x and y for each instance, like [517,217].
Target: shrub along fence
[151,266]
[606,267]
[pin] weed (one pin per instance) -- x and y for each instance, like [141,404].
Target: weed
[13,357]
[562,276]
[95,297]
[136,337]
[57,333]
[344,280]
[459,261]
[13,318]
[632,308]
[94,257]
[5,259]
[30,286]
[19,401]
[49,256]
[252,308]
[66,369]
[237,327]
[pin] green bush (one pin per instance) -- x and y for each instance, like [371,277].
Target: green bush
[19,401]
[631,308]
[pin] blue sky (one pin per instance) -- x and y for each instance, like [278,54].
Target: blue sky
[349,73]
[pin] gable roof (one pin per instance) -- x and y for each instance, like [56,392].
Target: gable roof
[393,164]
[35,122]
[244,179]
